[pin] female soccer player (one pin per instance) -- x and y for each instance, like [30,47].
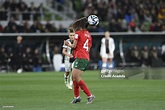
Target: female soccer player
[67,51]
[106,50]
[81,45]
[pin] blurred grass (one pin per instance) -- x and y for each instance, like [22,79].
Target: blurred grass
[46,91]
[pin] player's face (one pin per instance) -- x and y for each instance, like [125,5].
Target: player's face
[107,34]
[71,36]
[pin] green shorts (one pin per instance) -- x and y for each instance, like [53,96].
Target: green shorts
[80,64]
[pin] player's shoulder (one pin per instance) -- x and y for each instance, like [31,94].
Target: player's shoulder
[111,39]
[103,39]
[78,32]
[68,40]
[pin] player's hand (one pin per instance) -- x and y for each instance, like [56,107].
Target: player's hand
[70,56]
[66,43]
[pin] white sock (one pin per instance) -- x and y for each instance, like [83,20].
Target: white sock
[110,65]
[71,82]
[65,78]
[104,65]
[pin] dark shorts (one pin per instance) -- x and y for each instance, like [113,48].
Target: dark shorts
[80,64]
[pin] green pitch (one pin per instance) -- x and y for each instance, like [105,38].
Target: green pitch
[46,91]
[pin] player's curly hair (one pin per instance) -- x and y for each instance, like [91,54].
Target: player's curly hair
[80,24]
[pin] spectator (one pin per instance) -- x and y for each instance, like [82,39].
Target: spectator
[6,29]
[1,28]
[48,26]
[13,5]
[145,56]
[57,59]
[135,54]
[163,51]
[6,4]
[26,27]
[32,10]
[26,15]
[37,62]
[153,54]
[21,5]
[12,24]
[34,27]
[3,59]
[62,29]
[11,59]
[40,10]
[18,54]
[132,25]
[102,10]
[158,26]
[88,10]
[3,14]
[28,59]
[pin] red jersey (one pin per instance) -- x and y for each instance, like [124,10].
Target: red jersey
[84,43]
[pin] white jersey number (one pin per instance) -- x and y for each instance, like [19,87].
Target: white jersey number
[85,46]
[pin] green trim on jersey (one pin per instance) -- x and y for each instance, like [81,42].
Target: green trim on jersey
[80,64]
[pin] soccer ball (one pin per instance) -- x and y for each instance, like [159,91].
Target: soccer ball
[93,20]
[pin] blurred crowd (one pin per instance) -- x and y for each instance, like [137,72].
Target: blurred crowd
[35,27]
[20,58]
[20,8]
[115,15]
[148,56]
[127,15]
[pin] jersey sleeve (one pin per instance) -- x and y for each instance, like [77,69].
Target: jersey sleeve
[64,46]
[77,35]
[102,41]
[111,46]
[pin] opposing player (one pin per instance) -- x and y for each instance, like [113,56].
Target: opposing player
[81,45]
[107,50]
[68,52]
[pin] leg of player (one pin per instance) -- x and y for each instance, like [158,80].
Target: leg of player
[66,77]
[71,82]
[66,74]
[104,62]
[110,63]
[77,81]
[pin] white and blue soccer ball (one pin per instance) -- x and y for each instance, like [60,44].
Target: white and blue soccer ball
[93,20]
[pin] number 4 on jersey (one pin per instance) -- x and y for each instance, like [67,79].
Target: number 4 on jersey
[85,46]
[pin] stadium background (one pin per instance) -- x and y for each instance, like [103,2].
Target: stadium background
[137,27]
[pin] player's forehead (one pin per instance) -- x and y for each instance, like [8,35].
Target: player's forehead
[71,34]
[107,33]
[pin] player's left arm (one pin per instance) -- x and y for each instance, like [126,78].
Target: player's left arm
[112,46]
[74,42]
[71,45]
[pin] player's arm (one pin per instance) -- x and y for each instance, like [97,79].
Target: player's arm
[64,51]
[111,46]
[71,45]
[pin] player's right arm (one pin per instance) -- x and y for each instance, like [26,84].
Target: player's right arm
[64,51]
[74,42]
